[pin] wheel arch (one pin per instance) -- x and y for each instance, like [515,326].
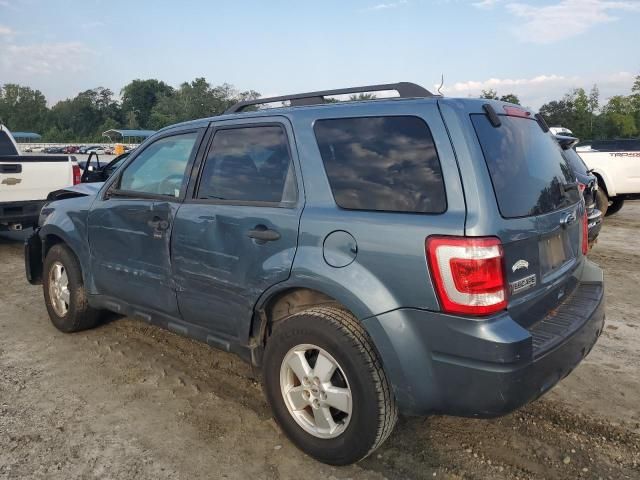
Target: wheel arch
[280,303]
[50,235]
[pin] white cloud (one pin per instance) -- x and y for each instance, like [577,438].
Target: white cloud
[386,6]
[5,31]
[43,59]
[486,3]
[540,89]
[566,18]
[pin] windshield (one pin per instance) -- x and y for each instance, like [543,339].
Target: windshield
[529,174]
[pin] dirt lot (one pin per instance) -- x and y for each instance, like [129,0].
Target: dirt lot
[132,401]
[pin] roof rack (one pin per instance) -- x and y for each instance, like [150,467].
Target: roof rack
[404,89]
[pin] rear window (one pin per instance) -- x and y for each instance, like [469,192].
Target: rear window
[526,166]
[6,145]
[382,163]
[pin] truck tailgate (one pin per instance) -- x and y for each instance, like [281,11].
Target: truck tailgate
[32,177]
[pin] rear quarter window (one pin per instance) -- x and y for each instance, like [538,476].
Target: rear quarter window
[382,164]
[6,145]
[526,166]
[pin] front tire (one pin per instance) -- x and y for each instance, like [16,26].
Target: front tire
[64,293]
[602,201]
[615,206]
[326,386]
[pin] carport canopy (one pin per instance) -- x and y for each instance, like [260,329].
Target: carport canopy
[124,135]
[26,136]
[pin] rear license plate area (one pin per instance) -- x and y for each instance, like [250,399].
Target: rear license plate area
[555,251]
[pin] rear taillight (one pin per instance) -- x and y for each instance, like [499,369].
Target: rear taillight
[77,175]
[581,187]
[468,274]
[585,233]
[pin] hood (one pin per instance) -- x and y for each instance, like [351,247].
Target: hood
[80,190]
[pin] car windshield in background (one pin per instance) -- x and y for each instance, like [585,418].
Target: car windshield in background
[527,169]
[382,163]
[575,162]
[6,145]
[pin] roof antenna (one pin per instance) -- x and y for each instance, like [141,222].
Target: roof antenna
[441,84]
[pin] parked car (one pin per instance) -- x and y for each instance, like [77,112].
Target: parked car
[25,182]
[87,148]
[53,150]
[416,254]
[616,164]
[98,150]
[587,184]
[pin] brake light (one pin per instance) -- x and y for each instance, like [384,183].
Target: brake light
[516,112]
[585,233]
[77,175]
[468,274]
[581,187]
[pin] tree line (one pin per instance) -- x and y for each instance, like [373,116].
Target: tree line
[153,104]
[585,114]
[143,104]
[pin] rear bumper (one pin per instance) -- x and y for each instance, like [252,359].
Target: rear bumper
[485,368]
[24,213]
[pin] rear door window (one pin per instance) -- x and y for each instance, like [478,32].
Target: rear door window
[249,164]
[382,163]
[529,174]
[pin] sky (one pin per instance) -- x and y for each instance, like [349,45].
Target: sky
[537,49]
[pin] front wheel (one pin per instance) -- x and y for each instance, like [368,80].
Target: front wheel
[615,206]
[602,201]
[64,292]
[326,386]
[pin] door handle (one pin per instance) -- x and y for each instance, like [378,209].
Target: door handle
[158,224]
[263,234]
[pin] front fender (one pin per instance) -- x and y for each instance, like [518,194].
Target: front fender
[66,221]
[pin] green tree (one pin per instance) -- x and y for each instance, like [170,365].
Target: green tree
[22,108]
[510,98]
[490,94]
[140,96]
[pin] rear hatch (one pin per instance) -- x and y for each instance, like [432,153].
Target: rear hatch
[541,210]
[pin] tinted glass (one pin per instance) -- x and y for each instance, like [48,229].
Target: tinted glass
[249,164]
[160,168]
[575,162]
[526,166]
[6,145]
[382,163]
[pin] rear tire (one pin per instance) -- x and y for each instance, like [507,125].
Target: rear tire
[64,293]
[615,206]
[602,201]
[317,341]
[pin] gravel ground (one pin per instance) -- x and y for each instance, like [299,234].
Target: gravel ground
[128,400]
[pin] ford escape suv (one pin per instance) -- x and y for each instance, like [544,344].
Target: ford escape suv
[416,254]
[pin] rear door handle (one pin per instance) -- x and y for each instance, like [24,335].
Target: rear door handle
[263,234]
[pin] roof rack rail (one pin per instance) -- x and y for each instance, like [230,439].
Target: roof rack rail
[404,89]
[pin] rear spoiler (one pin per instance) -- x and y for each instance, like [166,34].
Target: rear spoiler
[566,142]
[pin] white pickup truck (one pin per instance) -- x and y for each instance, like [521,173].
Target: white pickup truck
[26,180]
[616,164]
